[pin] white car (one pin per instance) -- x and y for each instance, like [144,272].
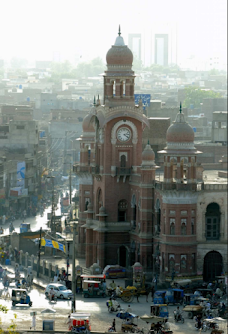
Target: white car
[60,291]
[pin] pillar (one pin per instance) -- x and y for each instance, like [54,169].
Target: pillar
[44,263]
[32,261]
[26,260]
[21,256]
[49,269]
[89,247]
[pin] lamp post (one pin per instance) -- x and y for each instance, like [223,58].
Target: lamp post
[38,262]
[73,307]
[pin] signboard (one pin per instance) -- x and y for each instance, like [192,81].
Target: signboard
[21,174]
[145,99]
[53,244]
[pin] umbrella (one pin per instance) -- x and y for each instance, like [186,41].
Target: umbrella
[126,315]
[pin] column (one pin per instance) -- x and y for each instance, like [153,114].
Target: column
[89,247]
[44,266]
[26,260]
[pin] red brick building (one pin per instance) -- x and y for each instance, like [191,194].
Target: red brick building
[125,214]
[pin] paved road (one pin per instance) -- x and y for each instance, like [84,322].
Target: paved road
[100,318]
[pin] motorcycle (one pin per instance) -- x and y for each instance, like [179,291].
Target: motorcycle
[53,298]
[113,305]
[178,317]
[111,329]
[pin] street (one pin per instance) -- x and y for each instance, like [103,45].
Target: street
[101,319]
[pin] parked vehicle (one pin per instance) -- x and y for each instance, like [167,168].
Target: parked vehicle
[80,323]
[128,321]
[174,296]
[20,296]
[189,299]
[60,290]
[159,297]
[114,271]
[92,289]
[159,310]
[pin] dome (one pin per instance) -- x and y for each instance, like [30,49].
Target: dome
[148,153]
[148,156]
[180,131]
[119,54]
[87,125]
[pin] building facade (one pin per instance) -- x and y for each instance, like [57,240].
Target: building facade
[126,214]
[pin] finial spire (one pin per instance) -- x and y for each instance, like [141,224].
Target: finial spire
[180,108]
[119,33]
[148,142]
[94,101]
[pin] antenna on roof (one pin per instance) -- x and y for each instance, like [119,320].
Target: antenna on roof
[119,33]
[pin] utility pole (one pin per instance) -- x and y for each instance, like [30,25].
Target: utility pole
[68,255]
[70,182]
[38,263]
[73,307]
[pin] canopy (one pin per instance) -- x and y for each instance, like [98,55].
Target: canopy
[151,319]
[48,310]
[126,315]
[80,315]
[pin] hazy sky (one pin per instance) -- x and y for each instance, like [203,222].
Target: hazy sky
[35,29]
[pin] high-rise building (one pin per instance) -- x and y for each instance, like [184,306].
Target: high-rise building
[134,43]
[161,49]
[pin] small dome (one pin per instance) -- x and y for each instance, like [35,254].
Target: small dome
[87,125]
[102,210]
[180,131]
[148,153]
[119,54]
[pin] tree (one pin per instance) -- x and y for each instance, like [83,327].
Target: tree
[12,327]
[195,95]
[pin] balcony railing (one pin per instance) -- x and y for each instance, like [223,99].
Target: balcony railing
[86,169]
[123,171]
[95,170]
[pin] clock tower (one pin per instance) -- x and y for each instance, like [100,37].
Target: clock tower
[115,220]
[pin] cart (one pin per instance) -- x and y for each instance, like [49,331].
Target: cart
[193,310]
[154,321]
[128,323]
[80,323]
[159,310]
[127,295]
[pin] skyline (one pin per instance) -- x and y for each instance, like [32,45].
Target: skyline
[35,30]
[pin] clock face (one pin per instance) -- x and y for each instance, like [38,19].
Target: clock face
[123,134]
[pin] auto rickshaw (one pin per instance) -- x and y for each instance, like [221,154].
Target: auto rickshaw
[20,296]
[174,296]
[159,310]
[92,289]
[80,323]
[189,299]
[159,297]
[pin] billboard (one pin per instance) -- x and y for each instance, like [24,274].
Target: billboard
[145,99]
[21,174]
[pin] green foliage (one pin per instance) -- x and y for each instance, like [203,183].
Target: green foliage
[195,95]
[85,69]
[12,327]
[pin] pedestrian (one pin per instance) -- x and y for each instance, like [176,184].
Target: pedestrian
[114,325]
[112,285]
[55,279]
[129,310]
[33,325]
[68,322]
[152,293]
[137,295]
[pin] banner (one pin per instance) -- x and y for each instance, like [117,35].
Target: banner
[21,174]
[53,244]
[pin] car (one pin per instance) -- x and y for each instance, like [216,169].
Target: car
[60,290]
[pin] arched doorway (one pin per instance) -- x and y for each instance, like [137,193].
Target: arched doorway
[213,264]
[122,256]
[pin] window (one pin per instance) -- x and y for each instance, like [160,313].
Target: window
[183,226]
[87,200]
[20,127]
[192,226]
[183,263]
[213,222]
[123,161]
[184,213]
[171,263]
[172,212]
[122,208]
[172,226]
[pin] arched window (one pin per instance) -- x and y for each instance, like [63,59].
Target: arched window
[213,222]
[183,226]
[134,211]
[99,200]
[122,210]
[123,161]
[172,226]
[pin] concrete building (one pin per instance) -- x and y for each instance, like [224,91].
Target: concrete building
[211,105]
[16,113]
[161,50]
[160,110]
[219,127]
[134,43]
